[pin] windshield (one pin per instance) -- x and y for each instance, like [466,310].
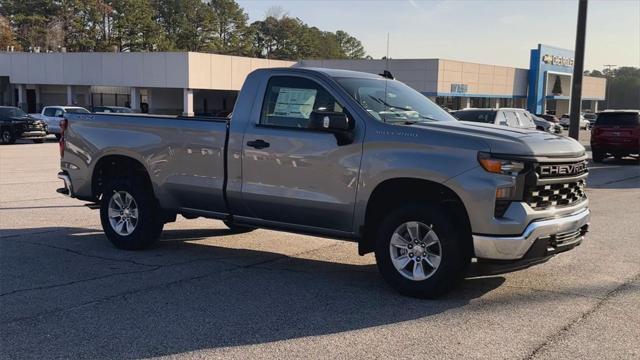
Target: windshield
[77,110]
[12,112]
[392,101]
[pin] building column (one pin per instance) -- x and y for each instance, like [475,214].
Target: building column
[149,100]
[594,105]
[497,103]
[134,100]
[22,97]
[468,103]
[187,102]
[69,95]
[38,98]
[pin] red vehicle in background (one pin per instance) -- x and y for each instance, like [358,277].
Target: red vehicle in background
[616,133]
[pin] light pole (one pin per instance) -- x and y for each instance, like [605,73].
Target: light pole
[606,74]
[576,89]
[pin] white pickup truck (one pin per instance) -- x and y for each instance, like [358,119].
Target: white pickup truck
[53,114]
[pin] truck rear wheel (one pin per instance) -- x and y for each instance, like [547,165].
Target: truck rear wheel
[419,251]
[130,215]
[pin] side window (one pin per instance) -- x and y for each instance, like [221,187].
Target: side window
[58,113]
[49,112]
[512,120]
[289,102]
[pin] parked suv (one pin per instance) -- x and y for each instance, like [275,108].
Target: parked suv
[616,133]
[512,117]
[16,124]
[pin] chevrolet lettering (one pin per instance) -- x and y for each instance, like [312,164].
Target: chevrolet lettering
[562,169]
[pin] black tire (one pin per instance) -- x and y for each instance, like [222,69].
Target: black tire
[454,256]
[149,224]
[6,136]
[598,156]
[238,229]
[38,141]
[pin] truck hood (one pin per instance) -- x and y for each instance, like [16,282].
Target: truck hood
[512,141]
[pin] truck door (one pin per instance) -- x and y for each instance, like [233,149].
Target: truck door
[291,173]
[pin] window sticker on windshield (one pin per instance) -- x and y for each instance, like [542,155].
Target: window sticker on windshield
[295,103]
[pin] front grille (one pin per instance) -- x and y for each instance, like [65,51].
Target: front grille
[561,194]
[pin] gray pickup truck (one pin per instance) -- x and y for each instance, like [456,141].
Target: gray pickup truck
[345,155]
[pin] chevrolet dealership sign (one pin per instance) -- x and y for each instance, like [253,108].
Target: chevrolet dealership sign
[557,60]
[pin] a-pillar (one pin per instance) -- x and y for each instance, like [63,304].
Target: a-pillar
[69,95]
[135,99]
[187,102]
[22,97]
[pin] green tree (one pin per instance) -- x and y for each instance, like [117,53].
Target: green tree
[31,21]
[189,25]
[135,26]
[234,35]
[81,22]
[351,47]
[624,88]
[290,39]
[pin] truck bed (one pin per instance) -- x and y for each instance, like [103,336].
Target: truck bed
[185,156]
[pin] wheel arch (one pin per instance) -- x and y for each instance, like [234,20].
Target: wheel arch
[110,166]
[395,191]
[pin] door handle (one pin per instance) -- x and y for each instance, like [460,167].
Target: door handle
[258,144]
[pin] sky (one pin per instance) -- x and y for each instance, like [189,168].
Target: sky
[500,32]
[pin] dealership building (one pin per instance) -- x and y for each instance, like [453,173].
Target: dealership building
[196,83]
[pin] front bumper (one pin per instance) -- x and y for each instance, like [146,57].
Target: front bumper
[497,247]
[32,135]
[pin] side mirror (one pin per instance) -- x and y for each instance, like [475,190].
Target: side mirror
[329,121]
[336,123]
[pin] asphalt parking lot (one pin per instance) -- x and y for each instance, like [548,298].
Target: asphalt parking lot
[204,292]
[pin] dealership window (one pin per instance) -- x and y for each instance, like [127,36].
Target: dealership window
[450,102]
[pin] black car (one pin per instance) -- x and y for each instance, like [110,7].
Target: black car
[112,109]
[16,124]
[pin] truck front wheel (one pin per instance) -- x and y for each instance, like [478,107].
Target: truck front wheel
[419,251]
[130,215]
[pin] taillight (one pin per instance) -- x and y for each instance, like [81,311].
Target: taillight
[64,125]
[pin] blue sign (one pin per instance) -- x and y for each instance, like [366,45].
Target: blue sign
[545,59]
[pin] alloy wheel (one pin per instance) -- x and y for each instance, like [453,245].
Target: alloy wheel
[416,251]
[123,213]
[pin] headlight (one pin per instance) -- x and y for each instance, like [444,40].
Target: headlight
[499,166]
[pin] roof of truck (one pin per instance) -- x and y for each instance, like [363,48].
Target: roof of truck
[336,73]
